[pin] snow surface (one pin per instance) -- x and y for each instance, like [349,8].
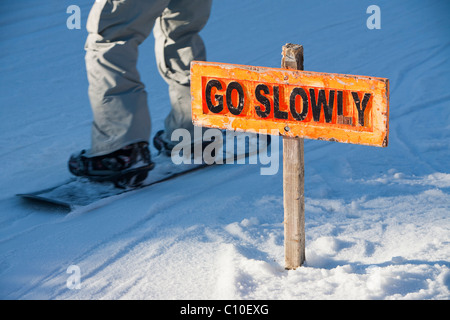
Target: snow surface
[377,219]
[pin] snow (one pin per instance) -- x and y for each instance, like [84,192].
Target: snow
[377,219]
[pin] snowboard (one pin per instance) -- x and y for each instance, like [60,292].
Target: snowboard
[79,192]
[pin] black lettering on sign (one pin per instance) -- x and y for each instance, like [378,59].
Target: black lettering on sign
[214,108]
[277,113]
[340,107]
[361,107]
[321,101]
[235,110]
[302,93]
[263,100]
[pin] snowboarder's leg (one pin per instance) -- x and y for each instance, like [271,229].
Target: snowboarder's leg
[177,43]
[117,95]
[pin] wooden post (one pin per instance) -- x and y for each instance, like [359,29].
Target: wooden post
[357,98]
[293,178]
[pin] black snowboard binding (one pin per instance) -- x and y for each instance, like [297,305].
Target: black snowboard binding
[127,167]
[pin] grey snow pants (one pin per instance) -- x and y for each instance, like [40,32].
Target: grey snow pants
[118,98]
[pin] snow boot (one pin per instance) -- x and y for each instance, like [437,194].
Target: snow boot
[165,147]
[240,145]
[127,167]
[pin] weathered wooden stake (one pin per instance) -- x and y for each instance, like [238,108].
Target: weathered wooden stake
[360,116]
[293,178]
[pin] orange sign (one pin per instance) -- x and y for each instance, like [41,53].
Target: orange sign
[313,105]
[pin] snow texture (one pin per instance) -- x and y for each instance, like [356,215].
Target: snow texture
[377,219]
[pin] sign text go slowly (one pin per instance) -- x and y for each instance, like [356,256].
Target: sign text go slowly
[324,106]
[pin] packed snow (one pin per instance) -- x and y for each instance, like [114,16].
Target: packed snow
[377,219]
